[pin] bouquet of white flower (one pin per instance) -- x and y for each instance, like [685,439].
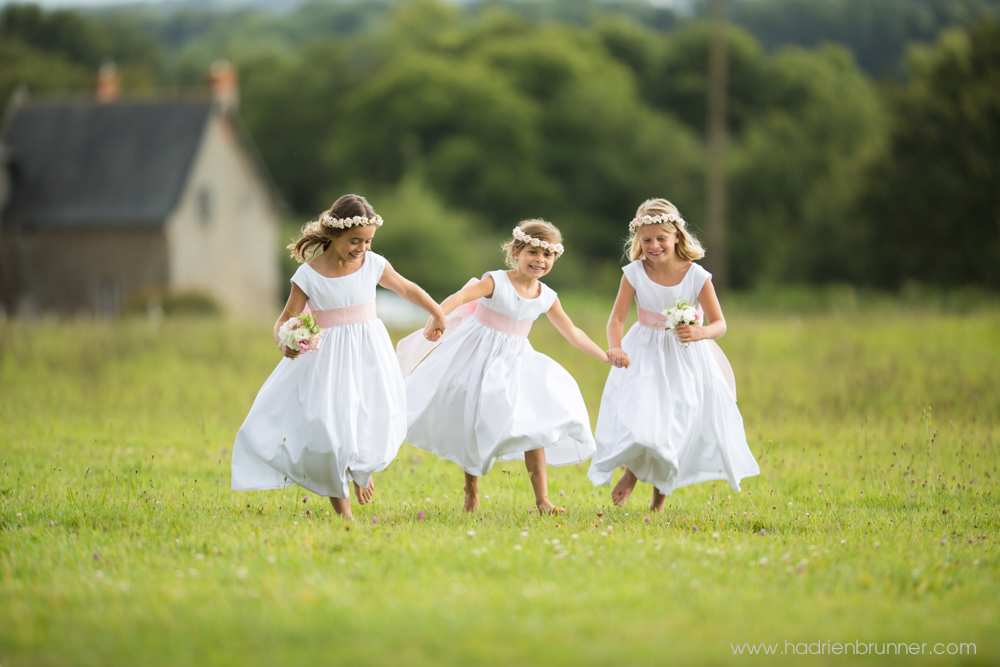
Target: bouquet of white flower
[683,313]
[301,333]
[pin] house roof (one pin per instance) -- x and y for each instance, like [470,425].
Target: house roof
[84,163]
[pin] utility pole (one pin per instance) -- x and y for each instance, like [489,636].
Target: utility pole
[715,164]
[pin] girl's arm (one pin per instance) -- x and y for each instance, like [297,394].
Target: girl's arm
[416,295]
[463,296]
[574,334]
[715,326]
[616,324]
[296,304]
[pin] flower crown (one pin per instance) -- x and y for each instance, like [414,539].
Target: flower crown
[557,248]
[641,220]
[343,223]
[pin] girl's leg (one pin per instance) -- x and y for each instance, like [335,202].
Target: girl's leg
[623,489]
[534,461]
[659,501]
[365,495]
[342,506]
[471,493]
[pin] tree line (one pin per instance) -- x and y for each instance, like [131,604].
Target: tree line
[462,120]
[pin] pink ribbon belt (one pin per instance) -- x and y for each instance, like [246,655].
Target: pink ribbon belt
[338,317]
[652,319]
[501,322]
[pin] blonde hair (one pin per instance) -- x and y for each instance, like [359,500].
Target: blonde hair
[688,247]
[536,228]
[316,237]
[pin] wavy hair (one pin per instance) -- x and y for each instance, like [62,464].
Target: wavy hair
[688,247]
[316,237]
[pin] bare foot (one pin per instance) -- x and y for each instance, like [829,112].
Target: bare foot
[623,489]
[659,500]
[546,507]
[365,495]
[342,506]
[471,503]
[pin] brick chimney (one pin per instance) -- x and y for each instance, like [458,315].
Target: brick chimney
[107,87]
[225,85]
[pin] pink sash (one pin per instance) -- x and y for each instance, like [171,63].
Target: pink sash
[651,319]
[500,322]
[655,320]
[338,317]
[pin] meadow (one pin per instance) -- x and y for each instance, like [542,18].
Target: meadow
[872,529]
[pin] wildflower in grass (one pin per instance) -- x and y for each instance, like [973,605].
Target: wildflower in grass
[471,533]
[305,499]
[420,515]
[646,519]
[762,532]
[374,519]
[97,556]
[308,512]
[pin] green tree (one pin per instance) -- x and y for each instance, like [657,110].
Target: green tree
[798,174]
[935,200]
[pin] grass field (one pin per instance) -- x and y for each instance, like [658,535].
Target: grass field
[874,520]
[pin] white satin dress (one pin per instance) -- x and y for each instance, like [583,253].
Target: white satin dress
[671,417]
[485,395]
[334,415]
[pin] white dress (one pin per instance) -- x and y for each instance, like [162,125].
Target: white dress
[330,416]
[670,417]
[485,395]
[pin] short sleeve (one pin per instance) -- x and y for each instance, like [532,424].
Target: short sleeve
[630,272]
[378,263]
[549,296]
[301,278]
[699,278]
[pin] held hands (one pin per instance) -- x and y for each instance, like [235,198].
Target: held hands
[435,328]
[287,351]
[618,358]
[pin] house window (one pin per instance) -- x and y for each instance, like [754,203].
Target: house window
[204,206]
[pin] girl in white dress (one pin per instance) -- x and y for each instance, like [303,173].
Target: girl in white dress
[485,395]
[671,418]
[336,415]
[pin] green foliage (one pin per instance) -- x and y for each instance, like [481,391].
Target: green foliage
[934,199]
[121,543]
[800,172]
[877,33]
[436,247]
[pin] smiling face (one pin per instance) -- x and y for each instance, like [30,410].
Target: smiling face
[534,262]
[353,243]
[657,243]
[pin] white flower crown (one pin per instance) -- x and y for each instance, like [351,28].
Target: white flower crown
[655,220]
[557,248]
[343,223]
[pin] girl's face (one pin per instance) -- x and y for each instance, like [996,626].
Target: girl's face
[534,262]
[353,243]
[657,244]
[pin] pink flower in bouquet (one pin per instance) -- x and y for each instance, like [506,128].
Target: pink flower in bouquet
[301,333]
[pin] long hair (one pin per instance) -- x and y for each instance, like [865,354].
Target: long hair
[316,237]
[688,246]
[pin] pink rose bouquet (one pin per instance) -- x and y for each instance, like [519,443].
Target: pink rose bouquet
[301,333]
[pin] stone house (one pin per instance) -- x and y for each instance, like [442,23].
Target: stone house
[104,199]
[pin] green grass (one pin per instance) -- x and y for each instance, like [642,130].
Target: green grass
[875,517]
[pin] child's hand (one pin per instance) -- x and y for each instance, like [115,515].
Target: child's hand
[687,333]
[618,358]
[288,352]
[435,328]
